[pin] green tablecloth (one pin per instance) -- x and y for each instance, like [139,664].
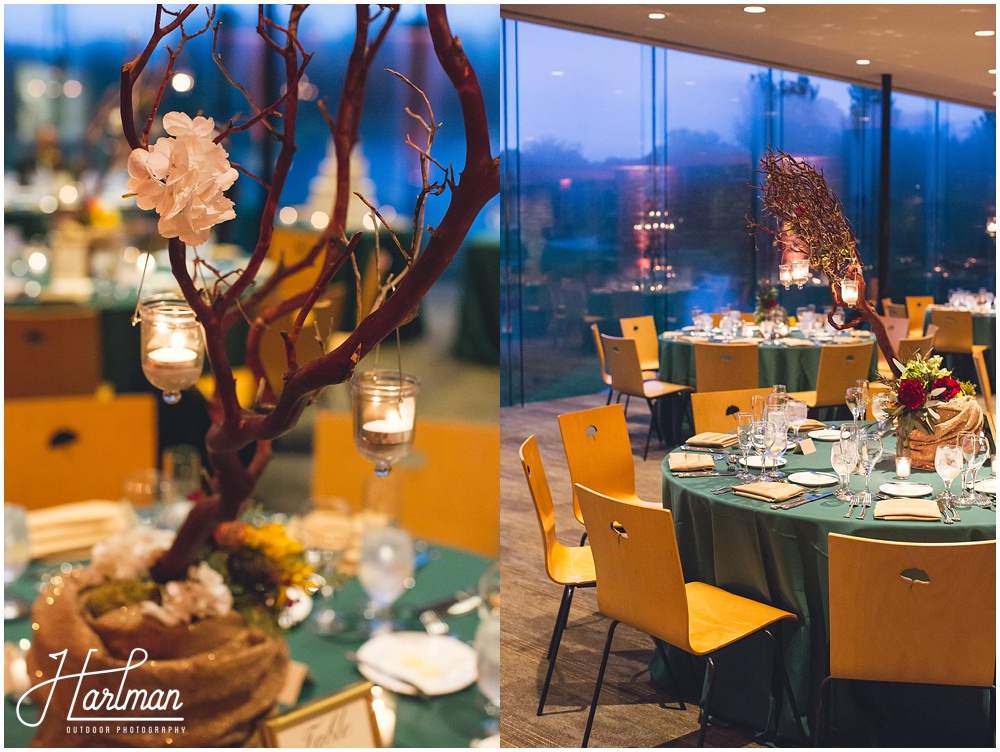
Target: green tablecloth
[446,721]
[795,367]
[984,332]
[780,557]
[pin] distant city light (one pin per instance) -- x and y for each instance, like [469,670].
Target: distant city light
[558,73]
[182,82]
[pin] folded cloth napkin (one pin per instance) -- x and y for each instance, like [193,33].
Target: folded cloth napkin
[795,342]
[684,461]
[768,491]
[907,509]
[712,439]
[76,526]
[811,424]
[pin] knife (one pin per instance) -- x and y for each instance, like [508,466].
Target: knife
[703,450]
[702,474]
[804,500]
[943,511]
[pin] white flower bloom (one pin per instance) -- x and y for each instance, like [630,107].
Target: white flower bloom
[202,594]
[129,556]
[183,178]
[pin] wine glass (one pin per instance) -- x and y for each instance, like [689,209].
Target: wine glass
[757,407]
[798,413]
[744,431]
[869,453]
[778,444]
[855,402]
[762,434]
[487,643]
[948,464]
[880,409]
[843,459]
[324,526]
[974,451]
[865,394]
[385,571]
[16,555]
[782,393]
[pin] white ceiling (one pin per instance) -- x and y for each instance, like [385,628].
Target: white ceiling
[930,50]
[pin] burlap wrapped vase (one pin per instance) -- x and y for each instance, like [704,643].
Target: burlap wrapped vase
[960,414]
[201,685]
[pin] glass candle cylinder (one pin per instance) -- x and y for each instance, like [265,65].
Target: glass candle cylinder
[385,407]
[173,345]
[800,272]
[785,275]
[849,292]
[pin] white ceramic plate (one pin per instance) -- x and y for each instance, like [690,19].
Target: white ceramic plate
[986,486]
[812,479]
[825,434]
[754,462]
[907,490]
[434,664]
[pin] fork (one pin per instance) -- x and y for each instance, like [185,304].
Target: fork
[854,503]
[865,503]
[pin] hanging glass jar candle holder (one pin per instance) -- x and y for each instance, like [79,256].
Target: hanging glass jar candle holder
[800,272]
[849,292]
[385,411]
[173,345]
[785,275]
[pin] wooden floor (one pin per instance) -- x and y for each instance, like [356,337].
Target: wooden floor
[631,712]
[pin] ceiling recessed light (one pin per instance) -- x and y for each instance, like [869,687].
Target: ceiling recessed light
[657,16]
[863,61]
[985,33]
[754,9]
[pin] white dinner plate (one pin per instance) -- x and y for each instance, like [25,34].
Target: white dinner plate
[812,479]
[825,434]
[433,664]
[986,486]
[906,489]
[754,461]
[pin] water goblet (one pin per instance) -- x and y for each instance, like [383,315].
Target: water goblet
[16,556]
[855,402]
[797,412]
[948,464]
[325,529]
[778,444]
[974,450]
[866,393]
[761,438]
[880,409]
[385,571]
[869,453]
[744,431]
[843,459]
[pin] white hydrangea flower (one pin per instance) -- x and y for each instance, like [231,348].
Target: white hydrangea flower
[183,178]
[202,594]
[128,556]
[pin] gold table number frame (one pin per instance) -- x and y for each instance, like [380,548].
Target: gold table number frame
[343,719]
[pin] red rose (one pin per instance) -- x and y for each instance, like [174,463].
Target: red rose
[911,394]
[950,386]
[772,303]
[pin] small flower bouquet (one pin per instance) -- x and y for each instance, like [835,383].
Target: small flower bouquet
[767,304]
[930,407]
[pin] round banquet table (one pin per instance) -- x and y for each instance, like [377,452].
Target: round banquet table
[451,720]
[780,557]
[984,332]
[793,366]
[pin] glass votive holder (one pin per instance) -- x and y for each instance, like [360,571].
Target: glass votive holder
[785,275]
[385,408]
[800,272]
[849,292]
[173,345]
[903,463]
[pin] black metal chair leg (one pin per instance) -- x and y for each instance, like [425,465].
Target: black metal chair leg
[554,646]
[627,398]
[670,672]
[707,704]
[822,712]
[610,394]
[600,681]
[559,616]
[781,682]
[654,418]
[649,434]
[583,538]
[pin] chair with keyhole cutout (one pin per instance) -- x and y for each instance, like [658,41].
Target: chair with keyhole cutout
[640,583]
[839,367]
[599,346]
[51,351]
[715,412]
[923,613]
[725,367]
[569,566]
[642,329]
[916,305]
[910,346]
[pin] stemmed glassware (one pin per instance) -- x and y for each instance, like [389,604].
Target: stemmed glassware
[744,431]
[844,458]
[866,394]
[974,451]
[778,444]
[16,556]
[880,409]
[385,571]
[948,464]
[762,435]
[326,531]
[797,412]
[854,398]
[757,407]
[487,642]
[869,453]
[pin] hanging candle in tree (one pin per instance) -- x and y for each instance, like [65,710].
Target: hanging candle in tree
[385,410]
[173,345]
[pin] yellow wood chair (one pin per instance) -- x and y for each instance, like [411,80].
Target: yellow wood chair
[716,411]
[954,335]
[449,483]
[915,307]
[910,346]
[599,346]
[890,624]
[895,310]
[719,367]
[983,376]
[640,583]
[627,378]
[51,351]
[897,328]
[839,367]
[569,566]
[64,449]
[642,329]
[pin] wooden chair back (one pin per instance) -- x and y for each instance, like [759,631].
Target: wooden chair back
[915,307]
[954,330]
[909,346]
[51,351]
[839,367]
[599,346]
[541,496]
[449,484]
[894,310]
[598,452]
[716,411]
[719,367]
[897,328]
[983,377]
[642,329]
[622,356]
[639,577]
[911,597]
[65,449]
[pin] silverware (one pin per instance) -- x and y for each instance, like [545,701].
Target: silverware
[943,511]
[804,500]
[418,692]
[716,455]
[703,473]
[954,512]
[850,510]
[723,489]
[865,503]
[432,623]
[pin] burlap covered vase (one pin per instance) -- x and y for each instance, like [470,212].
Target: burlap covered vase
[218,676]
[960,414]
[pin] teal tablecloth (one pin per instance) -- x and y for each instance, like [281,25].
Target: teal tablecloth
[795,367]
[446,721]
[780,557]
[984,332]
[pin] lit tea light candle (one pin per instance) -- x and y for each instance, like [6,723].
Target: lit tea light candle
[849,292]
[394,428]
[785,274]
[172,368]
[902,467]
[800,271]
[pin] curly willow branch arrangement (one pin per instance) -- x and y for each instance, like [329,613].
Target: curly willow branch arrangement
[805,210]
